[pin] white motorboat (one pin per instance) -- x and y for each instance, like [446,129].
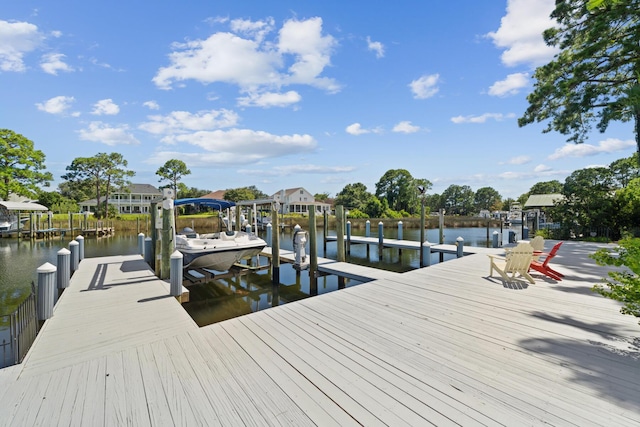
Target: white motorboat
[515,214]
[217,251]
[11,224]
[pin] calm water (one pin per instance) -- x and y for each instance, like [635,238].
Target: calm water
[232,295]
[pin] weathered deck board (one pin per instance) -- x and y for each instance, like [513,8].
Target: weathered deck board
[113,303]
[443,345]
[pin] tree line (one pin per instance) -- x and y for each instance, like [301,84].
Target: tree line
[592,197]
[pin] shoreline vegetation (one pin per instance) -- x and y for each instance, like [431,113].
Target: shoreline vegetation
[212,223]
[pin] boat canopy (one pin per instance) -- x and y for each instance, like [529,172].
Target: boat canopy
[212,203]
[23,206]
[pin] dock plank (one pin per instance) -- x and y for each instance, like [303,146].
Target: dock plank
[312,401]
[442,345]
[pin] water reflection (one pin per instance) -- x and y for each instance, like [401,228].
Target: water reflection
[243,292]
[236,294]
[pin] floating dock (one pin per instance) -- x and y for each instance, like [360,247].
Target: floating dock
[442,345]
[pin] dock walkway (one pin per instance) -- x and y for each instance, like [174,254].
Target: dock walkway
[442,345]
[360,273]
[413,244]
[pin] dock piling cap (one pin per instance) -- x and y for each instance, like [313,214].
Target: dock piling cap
[47,267]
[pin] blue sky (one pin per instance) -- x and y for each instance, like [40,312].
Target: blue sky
[290,93]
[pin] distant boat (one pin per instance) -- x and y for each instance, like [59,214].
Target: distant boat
[11,224]
[217,251]
[515,214]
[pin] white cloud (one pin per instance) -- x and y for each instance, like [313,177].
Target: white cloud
[542,168]
[256,30]
[254,64]
[16,40]
[425,86]
[610,145]
[236,147]
[105,107]
[56,105]
[519,160]
[482,118]
[223,57]
[520,32]
[509,86]
[406,127]
[108,135]
[314,169]
[51,63]
[356,129]
[270,99]
[376,47]
[312,51]
[184,121]
[152,105]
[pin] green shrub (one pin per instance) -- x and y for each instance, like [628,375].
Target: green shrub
[623,285]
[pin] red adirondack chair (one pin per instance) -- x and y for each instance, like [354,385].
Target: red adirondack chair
[543,267]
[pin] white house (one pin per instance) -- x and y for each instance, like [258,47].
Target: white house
[136,199]
[299,200]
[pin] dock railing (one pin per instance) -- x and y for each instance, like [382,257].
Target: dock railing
[21,326]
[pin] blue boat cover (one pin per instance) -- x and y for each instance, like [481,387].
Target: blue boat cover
[212,203]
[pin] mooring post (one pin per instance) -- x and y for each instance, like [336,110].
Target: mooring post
[167,233]
[367,229]
[325,232]
[425,257]
[80,240]
[148,251]
[156,224]
[348,237]
[340,233]
[400,236]
[75,259]
[459,246]
[380,238]
[495,239]
[441,227]
[422,239]
[46,290]
[313,254]
[269,235]
[141,245]
[175,289]
[488,226]
[64,268]
[275,249]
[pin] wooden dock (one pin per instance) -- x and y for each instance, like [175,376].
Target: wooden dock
[342,269]
[442,345]
[413,244]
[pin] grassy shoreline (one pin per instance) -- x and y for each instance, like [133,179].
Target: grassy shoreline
[211,223]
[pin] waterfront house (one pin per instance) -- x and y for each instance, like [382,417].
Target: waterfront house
[299,200]
[136,198]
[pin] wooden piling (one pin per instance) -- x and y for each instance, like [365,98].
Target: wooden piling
[275,249]
[340,232]
[313,253]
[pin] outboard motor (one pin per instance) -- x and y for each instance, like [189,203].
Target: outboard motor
[189,233]
[299,243]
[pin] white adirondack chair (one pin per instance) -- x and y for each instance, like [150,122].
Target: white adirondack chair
[538,246]
[516,263]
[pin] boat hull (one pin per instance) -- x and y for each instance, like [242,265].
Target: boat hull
[219,253]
